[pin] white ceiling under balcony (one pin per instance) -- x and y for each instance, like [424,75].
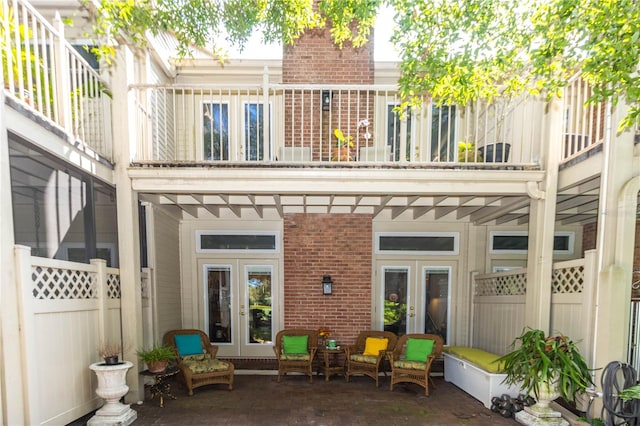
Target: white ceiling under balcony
[482,200]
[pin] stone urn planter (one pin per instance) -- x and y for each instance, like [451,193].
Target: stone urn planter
[112,386]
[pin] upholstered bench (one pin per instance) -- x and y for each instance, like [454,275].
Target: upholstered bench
[475,372]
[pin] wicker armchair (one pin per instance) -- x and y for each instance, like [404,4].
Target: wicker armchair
[369,365]
[296,362]
[403,370]
[200,369]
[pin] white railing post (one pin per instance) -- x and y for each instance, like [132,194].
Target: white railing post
[101,295]
[61,64]
[268,147]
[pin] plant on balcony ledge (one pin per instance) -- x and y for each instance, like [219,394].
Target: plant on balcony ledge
[467,153]
[342,150]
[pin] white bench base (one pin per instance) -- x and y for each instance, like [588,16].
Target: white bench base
[478,383]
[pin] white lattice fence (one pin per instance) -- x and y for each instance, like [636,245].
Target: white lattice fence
[67,308]
[498,309]
[573,284]
[499,305]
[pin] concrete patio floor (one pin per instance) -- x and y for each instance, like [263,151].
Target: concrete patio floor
[260,400]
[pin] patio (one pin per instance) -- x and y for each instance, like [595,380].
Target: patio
[260,400]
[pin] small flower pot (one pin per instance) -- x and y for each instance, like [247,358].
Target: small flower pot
[157,366]
[111,360]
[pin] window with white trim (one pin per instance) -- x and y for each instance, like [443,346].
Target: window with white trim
[237,241]
[435,243]
[517,242]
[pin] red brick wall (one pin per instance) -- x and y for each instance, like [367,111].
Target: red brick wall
[315,59]
[589,234]
[338,245]
[589,242]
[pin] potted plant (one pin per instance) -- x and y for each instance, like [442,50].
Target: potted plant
[157,357]
[342,150]
[467,153]
[110,352]
[546,367]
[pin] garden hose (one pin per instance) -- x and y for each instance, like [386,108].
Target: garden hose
[616,377]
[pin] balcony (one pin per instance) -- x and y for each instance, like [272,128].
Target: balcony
[215,124]
[49,77]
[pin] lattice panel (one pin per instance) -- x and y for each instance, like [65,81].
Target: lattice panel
[507,285]
[113,286]
[53,283]
[568,280]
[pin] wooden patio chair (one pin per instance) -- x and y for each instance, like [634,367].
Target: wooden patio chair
[197,359]
[370,349]
[295,349]
[412,358]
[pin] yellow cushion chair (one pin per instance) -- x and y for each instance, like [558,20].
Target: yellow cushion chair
[368,353]
[412,358]
[197,359]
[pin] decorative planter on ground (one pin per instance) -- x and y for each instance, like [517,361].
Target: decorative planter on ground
[112,386]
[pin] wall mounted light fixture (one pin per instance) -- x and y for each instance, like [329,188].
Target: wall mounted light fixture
[327,284]
[326,100]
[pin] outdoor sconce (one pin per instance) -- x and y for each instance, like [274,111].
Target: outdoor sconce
[326,100]
[327,284]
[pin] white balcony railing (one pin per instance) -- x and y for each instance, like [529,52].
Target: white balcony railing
[584,125]
[229,124]
[46,73]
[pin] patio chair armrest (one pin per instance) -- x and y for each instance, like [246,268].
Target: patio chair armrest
[350,350]
[213,350]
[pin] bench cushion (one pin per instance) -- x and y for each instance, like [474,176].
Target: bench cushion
[483,359]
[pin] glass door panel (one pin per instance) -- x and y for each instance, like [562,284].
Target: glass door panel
[437,283]
[395,286]
[218,312]
[258,291]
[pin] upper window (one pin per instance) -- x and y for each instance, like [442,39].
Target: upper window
[517,242]
[442,135]
[226,241]
[215,120]
[393,132]
[442,243]
[254,131]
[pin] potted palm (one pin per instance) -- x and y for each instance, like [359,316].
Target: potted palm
[157,357]
[546,367]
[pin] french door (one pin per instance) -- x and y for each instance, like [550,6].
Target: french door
[239,305]
[415,296]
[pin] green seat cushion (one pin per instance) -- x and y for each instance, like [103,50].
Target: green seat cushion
[482,359]
[410,365]
[295,344]
[295,357]
[369,359]
[204,364]
[188,344]
[418,349]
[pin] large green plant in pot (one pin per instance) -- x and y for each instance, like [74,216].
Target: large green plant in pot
[540,361]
